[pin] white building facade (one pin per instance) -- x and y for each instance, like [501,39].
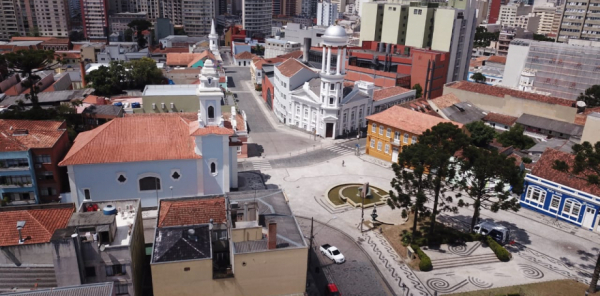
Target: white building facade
[327,14]
[275,47]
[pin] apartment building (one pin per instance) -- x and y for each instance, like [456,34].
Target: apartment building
[529,22]
[53,18]
[171,9]
[494,11]
[119,21]
[547,14]
[275,47]
[94,16]
[581,20]
[327,14]
[341,5]
[10,22]
[559,69]
[510,12]
[390,130]
[256,16]
[197,16]
[507,36]
[445,27]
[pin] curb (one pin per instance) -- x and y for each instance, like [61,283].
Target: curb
[359,246]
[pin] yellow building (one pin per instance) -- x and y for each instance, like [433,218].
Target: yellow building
[390,130]
[242,244]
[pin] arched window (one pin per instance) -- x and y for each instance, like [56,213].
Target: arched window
[213,168]
[149,183]
[211,112]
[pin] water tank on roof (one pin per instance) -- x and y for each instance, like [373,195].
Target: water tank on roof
[118,104]
[109,210]
[135,105]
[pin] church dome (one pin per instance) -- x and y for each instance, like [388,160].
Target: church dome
[335,31]
[335,36]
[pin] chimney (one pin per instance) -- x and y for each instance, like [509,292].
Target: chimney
[272,236]
[82,70]
[21,224]
[246,212]
[306,49]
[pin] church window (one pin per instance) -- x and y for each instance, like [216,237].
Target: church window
[213,168]
[211,112]
[149,183]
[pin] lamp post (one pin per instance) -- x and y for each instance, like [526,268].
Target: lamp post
[171,187]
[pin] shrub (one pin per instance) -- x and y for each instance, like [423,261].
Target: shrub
[502,254]
[258,87]
[425,264]
[526,160]
[404,214]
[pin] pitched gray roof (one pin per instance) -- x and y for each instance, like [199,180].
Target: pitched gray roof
[50,97]
[181,243]
[557,126]
[103,110]
[100,289]
[464,112]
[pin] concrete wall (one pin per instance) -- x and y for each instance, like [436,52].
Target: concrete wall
[181,104]
[213,149]
[591,128]
[66,265]
[394,23]
[419,25]
[442,29]
[101,179]
[515,62]
[370,27]
[30,254]
[515,106]
[246,234]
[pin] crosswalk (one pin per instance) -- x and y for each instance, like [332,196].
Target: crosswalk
[260,164]
[341,149]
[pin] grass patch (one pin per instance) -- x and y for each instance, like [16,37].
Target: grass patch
[352,193]
[550,288]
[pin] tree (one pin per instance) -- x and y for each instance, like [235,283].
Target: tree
[259,50]
[481,133]
[586,166]
[419,90]
[179,31]
[542,37]
[35,32]
[142,72]
[28,63]
[483,37]
[515,137]
[478,77]
[140,25]
[76,36]
[410,182]
[107,81]
[440,143]
[128,35]
[484,175]
[591,96]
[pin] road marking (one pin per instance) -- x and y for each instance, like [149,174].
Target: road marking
[261,164]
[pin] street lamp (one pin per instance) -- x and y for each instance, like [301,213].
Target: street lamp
[171,187]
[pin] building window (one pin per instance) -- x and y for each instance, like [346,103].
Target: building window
[121,289]
[555,202]
[374,128]
[149,183]
[406,138]
[90,271]
[46,191]
[239,150]
[397,136]
[211,112]
[175,174]
[372,143]
[414,140]
[381,130]
[379,145]
[536,194]
[387,148]
[389,132]
[331,100]
[213,168]
[117,269]
[571,208]
[86,194]
[121,178]
[43,159]
[48,175]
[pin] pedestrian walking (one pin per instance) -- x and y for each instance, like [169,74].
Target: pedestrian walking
[343,163]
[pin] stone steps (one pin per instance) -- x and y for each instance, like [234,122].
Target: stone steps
[26,278]
[464,261]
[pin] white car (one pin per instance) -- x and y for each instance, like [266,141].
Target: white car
[333,253]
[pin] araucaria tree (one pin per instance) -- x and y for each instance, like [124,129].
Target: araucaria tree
[28,63]
[586,166]
[440,143]
[139,26]
[485,176]
[410,182]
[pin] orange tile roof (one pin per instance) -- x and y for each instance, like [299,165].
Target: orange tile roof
[421,105]
[184,59]
[407,120]
[129,139]
[388,92]
[501,92]
[500,118]
[497,59]
[40,224]
[68,55]
[290,67]
[26,38]
[192,211]
[196,130]
[40,134]
[246,55]
[239,120]
[445,101]
[258,63]
[294,55]
[171,50]
[543,169]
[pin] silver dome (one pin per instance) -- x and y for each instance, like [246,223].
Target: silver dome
[335,31]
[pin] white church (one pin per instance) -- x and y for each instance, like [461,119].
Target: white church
[320,102]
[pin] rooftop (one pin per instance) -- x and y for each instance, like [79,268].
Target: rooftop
[500,118]
[445,101]
[389,92]
[171,90]
[497,59]
[50,97]
[463,112]
[543,169]
[108,110]
[22,135]
[407,120]
[246,55]
[191,211]
[292,55]
[125,218]
[290,67]
[127,139]
[557,126]
[187,59]
[181,243]
[502,92]
[99,289]
[40,223]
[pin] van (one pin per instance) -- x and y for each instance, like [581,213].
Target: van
[498,232]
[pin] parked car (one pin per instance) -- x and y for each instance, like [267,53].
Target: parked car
[332,253]
[498,232]
[332,290]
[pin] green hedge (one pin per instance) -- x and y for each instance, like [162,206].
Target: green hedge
[425,264]
[502,254]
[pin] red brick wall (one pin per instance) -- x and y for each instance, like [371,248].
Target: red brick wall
[266,85]
[60,181]
[419,71]
[494,11]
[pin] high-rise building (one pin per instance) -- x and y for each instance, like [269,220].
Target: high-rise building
[53,18]
[197,16]
[372,22]
[580,21]
[94,16]
[256,16]
[277,7]
[510,12]
[119,21]
[10,22]
[309,8]
[494,11]
[75,12]
[327,14]
[547,13]
[341,4]
[394,20]
[171,9]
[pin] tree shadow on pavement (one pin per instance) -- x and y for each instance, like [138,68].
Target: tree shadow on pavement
[255,150]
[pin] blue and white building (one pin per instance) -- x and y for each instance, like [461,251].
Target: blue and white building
[153,156]
[560,195]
